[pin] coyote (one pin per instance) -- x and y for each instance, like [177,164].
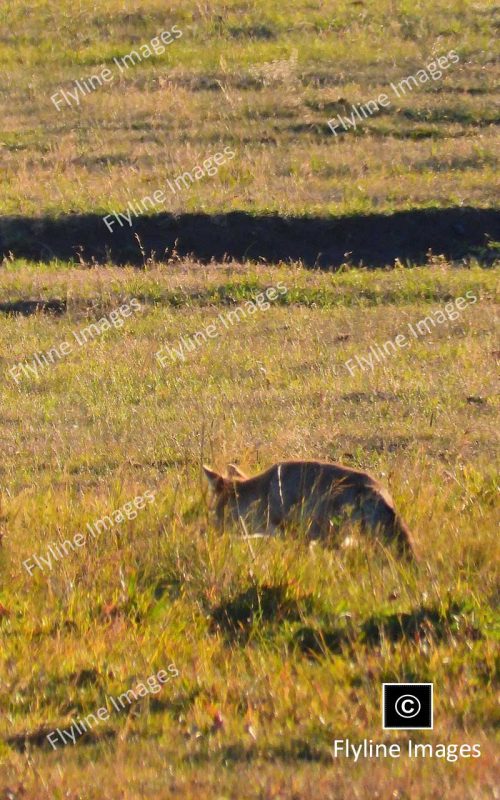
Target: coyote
[317,493]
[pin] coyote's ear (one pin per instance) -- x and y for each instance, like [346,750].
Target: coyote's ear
[215,481]
[235,472]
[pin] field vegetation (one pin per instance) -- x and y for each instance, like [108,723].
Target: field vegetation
[280,647]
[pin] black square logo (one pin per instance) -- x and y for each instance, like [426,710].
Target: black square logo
[407,706]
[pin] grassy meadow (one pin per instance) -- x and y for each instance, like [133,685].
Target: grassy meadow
[261,79]
[280,648]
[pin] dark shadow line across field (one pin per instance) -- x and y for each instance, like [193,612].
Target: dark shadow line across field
[26,308]
[374,240]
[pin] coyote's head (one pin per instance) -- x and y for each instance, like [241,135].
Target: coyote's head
[225,493]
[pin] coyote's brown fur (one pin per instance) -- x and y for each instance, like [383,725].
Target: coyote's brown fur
[316,492]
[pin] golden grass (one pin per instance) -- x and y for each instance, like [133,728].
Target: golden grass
[264,82]
[256,707]
[280,648]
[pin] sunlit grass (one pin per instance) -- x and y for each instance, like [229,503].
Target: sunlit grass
[280,648]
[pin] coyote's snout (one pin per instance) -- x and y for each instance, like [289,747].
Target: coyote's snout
[316,493]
